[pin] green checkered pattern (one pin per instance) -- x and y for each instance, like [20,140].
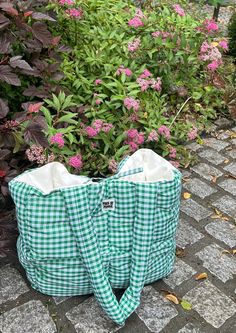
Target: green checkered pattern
[68,245]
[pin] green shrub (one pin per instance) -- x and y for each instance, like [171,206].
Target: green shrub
[141,73]
[132,79]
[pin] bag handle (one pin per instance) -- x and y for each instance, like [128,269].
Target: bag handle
[78,209]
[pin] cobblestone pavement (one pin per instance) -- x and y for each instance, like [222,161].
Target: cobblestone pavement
[206,235]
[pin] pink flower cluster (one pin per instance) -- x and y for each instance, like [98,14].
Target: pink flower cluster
[192,134]
[98,126]
[126,71]
[130,102]
[136,21]
[179,10]
[58,140]
[75,13]
[134,139]
[224,45]
[36,154]
[145,74]
[66,2]
[162,34]
[98,101]
[113,166]
[164,131]
[76,161]
[173,152]
[134,45]
[153,136]
[139,13]
[209,26]
[11,123]
[97,82]
[145,84]
[72,12]
[211,54]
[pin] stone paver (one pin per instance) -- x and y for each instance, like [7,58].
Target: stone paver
[206,171]
[229,185]
[211,303]
[88,317]
[12,284]
[193,146]
[232,153]
[212,156]
[227,205]
[186,234]
[193,209]
[155,311]
[181,273]
[200,188]
[222,122]
[190,328]
[223,231]
[231,168]
[233,142]
[31,317]
[215,144]
[218,263]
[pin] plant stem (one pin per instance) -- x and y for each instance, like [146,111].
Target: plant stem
[179,111]
[76,32]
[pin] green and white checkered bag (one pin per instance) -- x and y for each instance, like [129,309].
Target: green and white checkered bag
[80,236]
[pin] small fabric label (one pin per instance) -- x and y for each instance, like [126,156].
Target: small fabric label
[108,204]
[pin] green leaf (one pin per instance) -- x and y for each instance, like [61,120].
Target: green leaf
[67,102]
[71,137]
[120,152]
[56,102]
[47,115]
[197,95]
[68,118]
[118,140]
[18,142]
[186,305]
[107,146]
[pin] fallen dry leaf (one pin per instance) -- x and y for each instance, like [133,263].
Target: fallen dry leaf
[172,298]
[187,165]
[213,179]
[232,135]
[186,195]
[201,276]
[180,253]
[232,252]
[225,251]
[186,179]
[219,215]
[226,161]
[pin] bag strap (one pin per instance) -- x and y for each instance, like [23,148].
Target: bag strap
[76,200]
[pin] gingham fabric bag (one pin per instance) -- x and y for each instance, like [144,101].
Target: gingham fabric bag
[80,236]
